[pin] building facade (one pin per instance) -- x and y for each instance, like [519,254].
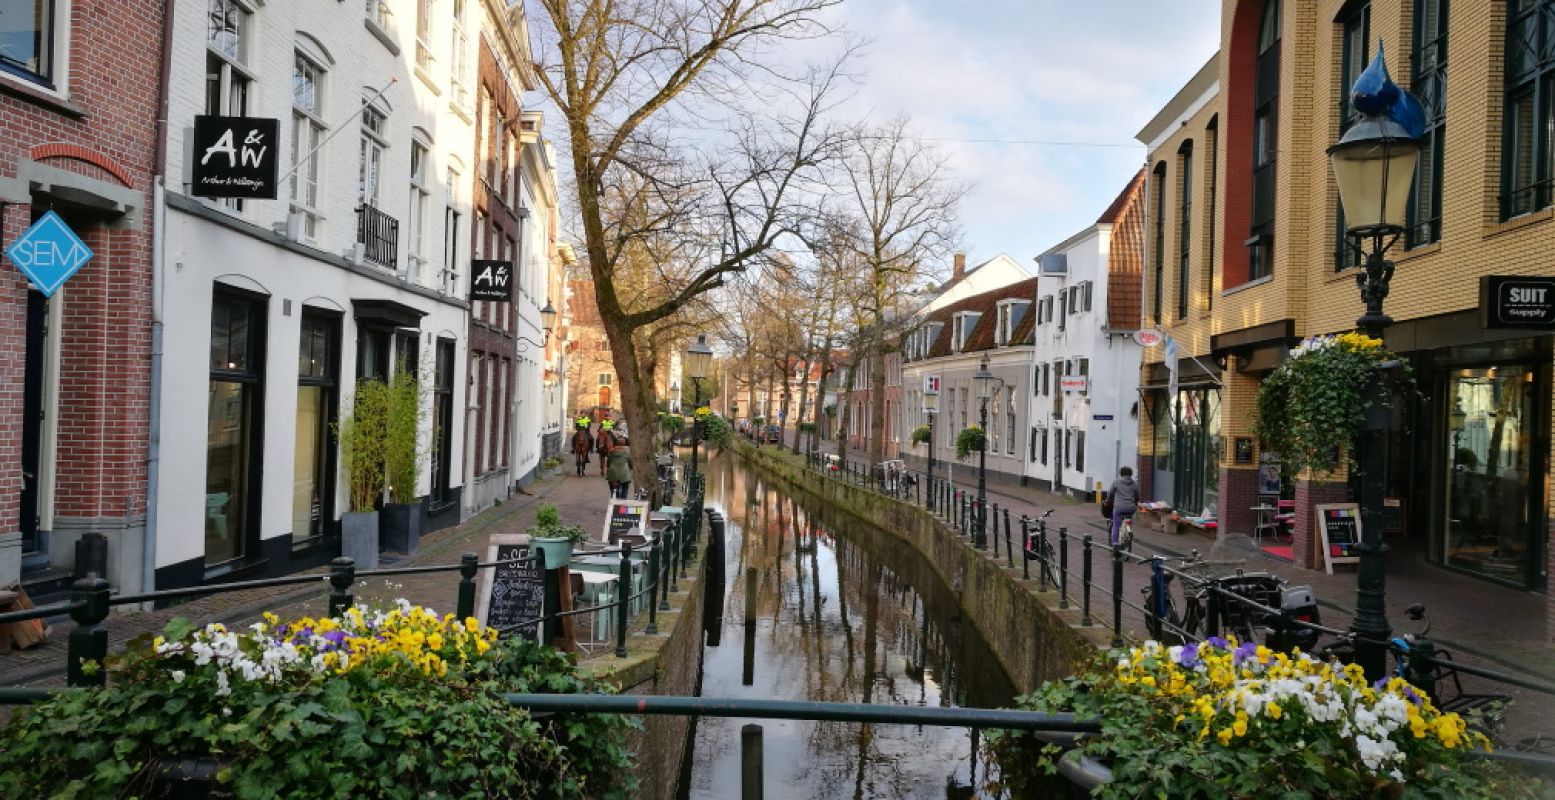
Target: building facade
[591,374]
[75,398]
[1085,414]
[1247,257]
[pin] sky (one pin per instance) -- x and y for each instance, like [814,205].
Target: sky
[1044,70]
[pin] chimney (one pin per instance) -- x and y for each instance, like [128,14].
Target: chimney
[960,268]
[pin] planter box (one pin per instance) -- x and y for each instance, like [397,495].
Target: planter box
[558,552]
[359,538]
[400,527]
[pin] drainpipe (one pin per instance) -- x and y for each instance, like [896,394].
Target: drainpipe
[148,566]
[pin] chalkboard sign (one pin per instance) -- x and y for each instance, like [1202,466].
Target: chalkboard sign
[1395,517]
[624,517]
[1339,531]
[511,597]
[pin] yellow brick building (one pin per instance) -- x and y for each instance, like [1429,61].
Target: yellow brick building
[1246,258]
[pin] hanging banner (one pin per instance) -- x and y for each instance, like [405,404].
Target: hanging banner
[235,157]
[491,280]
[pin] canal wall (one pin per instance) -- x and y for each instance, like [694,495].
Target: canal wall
[1033,639]
[666,663]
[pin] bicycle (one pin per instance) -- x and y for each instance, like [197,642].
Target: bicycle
[1126,535]
[1245,620]
[1418,660]
[1043,551]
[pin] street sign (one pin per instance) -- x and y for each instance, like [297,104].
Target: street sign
[1515,301]
[235,157]
[1102,417]
[48,253]
[491,280]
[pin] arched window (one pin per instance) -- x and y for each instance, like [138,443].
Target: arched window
[1211,187]
[1266,102]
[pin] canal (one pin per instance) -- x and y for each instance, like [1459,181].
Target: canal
[844,613]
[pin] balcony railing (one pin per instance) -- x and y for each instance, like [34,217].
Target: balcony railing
[379,235]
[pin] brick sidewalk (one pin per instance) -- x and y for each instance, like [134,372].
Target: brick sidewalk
[580,500]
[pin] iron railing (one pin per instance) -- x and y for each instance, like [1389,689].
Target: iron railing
[379,235]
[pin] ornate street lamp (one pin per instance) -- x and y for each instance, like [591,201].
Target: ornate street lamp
[985,381]
[1374,165]
[699,359]
[547,324]
[931,409]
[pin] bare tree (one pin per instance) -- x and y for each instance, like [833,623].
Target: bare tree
[899,216]
[640,86]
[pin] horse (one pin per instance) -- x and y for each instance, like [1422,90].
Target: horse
[604,443]
[582,445]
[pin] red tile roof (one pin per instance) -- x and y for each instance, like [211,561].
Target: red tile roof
[986,304]
[1126,256]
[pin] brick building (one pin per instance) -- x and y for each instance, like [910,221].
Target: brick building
[1247,257]
[79,100]
[591,375]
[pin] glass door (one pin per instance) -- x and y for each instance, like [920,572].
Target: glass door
[233,459]
[313,463]
[1491,482]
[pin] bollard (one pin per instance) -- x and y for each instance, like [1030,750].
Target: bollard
[1063,567]
[1117,596]
[751,757]
[1085,581]
[1009,552]
[623,598]
[89,641]
[467,571]
[342,572]
[652,576]
[1025,548]
[1044,568]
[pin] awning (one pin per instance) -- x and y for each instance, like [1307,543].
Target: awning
[387,312]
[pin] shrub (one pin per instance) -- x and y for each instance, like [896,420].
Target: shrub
[1217,719]
[396,703]
[920,435]
[969,441]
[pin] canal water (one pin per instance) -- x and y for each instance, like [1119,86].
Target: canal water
[844,613]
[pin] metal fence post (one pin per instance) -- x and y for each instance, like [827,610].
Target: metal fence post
[342,572]
[1043,567]
[1025,548]
[1009,553]
[984,517]
[652,577]
[89,641]
[1063,567]
[1212,612]
[1117,596]
[623,598]
[661,577]
[1085,581]
[674,554]
[467,571]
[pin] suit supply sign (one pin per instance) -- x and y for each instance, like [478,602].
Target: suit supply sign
[491,280]
[235,157]
[1509,301]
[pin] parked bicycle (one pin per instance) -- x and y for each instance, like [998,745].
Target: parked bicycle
[1041,548]
[1181,616]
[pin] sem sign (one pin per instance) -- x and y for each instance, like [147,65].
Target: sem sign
[491,280]
[1507,301]
[234,157]
[48,253]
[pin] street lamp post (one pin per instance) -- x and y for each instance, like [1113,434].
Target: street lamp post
[985,381]
[1374,165]
[699,358]
[931,410]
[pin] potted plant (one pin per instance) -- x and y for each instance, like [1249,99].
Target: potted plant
[1219,718]
[363,435]
[301,708]
[550,536]
[402,461]
[920,435]
[969,441]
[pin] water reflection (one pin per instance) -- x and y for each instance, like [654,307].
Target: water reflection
[850,618]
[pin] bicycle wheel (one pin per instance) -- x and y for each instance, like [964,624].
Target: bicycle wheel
[1162,621]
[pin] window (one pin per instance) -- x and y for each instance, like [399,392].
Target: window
[1429,80]
[370,163]
[372,353]
[1063,309]
[1158,254]
[1009,421]
[1266,102]
[605,378]
[459,71]
[443,424]
[1079,451]
[1039,445]
[1212,139]
[1046,373]
[308,132]
[28,39]
[379,14]
[1184,227]
[1068,448]
[228,83]
[1085,295]
[451,233]
[1356,27]
[965,323]
[235,406]
[1045,310]
[313,473]
[1011,313]
[424,57]
[420,198]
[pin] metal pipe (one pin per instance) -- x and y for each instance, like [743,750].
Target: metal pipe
[1063,567]
[1085,581]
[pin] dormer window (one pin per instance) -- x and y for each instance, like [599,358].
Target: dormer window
[1011,312]
[965,323]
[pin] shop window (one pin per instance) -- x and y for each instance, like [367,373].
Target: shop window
[313,473]
[1526,162]
[235,406]
[1429,82]
[443,424]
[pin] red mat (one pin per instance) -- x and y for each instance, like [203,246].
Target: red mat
[1280,551]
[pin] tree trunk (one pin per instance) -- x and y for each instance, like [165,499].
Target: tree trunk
[847,411]
[636,395]
[877,405]
[820,396]
[804,395]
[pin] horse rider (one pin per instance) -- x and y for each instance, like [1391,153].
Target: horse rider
[604,443]
[582,444]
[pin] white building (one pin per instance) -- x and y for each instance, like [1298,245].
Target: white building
[270,310]
[1085,424]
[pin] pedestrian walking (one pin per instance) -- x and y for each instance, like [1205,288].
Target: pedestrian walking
[1124,499]
[619,474]
[604,443]
[582,445]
